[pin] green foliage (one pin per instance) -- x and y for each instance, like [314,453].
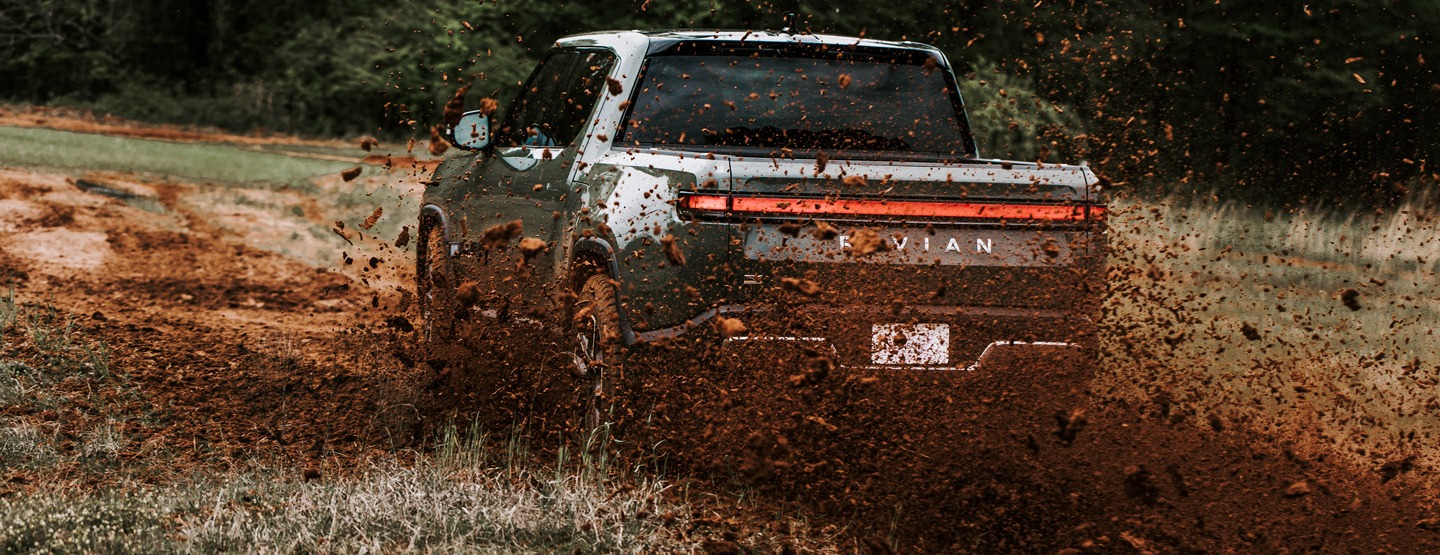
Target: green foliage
[1010,120]
[1260,94]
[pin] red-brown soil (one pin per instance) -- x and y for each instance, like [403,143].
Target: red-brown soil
[249,356]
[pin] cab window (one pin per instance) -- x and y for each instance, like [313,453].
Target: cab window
[558,99]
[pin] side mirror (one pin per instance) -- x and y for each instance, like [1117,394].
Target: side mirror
[472,132]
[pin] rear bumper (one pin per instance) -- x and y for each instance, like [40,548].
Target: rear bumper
[960,338]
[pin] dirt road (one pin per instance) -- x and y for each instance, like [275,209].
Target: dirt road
[248,351]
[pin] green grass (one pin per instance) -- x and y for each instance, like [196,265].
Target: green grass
[31,147]
[47,365]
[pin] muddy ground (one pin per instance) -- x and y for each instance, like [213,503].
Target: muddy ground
[247,356]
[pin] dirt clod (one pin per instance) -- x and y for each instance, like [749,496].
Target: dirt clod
[1068,425]
[488,105]
[500,235]
[866,242]
[729,327]
[455,107]
[438,143]
[672,250]
[1351,299]
[400,323]
[468,294]
[374,217]
[350,174]
[531,246]
[801,285]
[721,547]
[1216,422]
[825,231]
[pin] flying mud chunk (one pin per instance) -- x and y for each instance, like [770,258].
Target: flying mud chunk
[455,107]
[499,236]
[672,250]
[866,242]
[729,327]
[1351,299]
[438,145]
[350,174]
[825,231]
[468,294]
[801,285]
[374,217]
[530,247]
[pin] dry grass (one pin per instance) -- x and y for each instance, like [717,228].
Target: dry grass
[452,504]
[1228,315]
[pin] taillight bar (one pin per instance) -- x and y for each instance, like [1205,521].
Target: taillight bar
[897,208]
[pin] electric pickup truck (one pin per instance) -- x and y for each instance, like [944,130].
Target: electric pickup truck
[728,188]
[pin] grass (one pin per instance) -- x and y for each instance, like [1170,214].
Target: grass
[46,366]
[459,500]
[76,422]
[31,147]
[1230,315]
[463,496]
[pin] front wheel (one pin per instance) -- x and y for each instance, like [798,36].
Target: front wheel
[598,352]
[435,287]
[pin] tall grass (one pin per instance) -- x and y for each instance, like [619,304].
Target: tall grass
[1233,316]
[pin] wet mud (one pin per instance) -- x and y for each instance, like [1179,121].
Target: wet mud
[246,354]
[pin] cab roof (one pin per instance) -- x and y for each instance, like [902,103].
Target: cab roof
[660,40]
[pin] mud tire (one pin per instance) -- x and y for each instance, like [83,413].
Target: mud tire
[435,290]
[596,329]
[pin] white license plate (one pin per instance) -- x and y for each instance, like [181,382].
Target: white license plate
[910,344]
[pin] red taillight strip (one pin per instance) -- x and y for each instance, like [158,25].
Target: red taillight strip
[713,203]
[911,208]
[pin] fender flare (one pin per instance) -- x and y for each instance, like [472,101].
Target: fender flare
[600,248]
[444,221]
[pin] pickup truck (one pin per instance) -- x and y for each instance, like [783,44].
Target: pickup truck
[732,188]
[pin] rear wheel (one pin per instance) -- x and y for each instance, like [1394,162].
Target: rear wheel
[598,352]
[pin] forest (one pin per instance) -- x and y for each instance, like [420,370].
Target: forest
[1275,103]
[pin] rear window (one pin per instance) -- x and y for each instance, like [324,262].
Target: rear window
[769,99]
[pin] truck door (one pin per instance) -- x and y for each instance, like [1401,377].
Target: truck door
[526,179]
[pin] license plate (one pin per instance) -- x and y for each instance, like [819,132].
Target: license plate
[910,344]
